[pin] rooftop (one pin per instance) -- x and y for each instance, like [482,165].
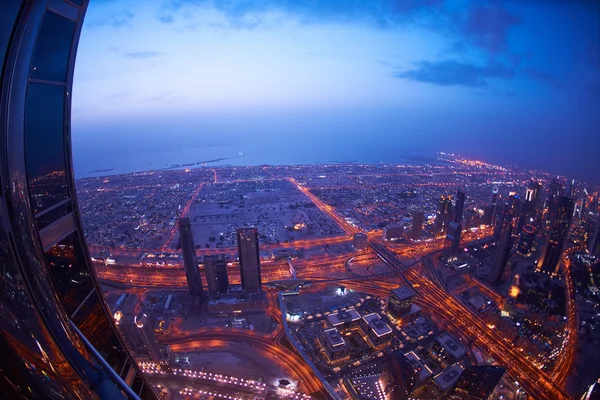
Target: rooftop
[343,316]
[446,379]
[377,325]
[403,293]
[451,345]
[333,337]
[424,372]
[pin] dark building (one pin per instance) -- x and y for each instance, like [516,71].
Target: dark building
[192,273]
[502,253]
[249,255]
[494,196]
[488,215]
[459,207]
[418,218]
[393,232]
[557,236]
[404,374]
[477,383]
[360,241]
[216,274]
[532,196]
[400,301]
[444,215]
[453,237]
[58,337]
[556,190]
[526,240]
[593,242]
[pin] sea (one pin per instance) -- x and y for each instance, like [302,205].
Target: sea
[104,155]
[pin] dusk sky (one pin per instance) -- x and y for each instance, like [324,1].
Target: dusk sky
[506,81]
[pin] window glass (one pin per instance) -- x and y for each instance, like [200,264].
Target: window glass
[137,384]
[44,145]
[8,16]
[52,49]
[70,272]
[53,215]
[92,321]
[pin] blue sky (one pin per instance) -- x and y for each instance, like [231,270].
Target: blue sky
[508,81]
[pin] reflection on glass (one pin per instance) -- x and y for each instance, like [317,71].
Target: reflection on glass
[10,11]
[22,336]
[53,215]
[91,320]
[69,271]
[44,145]
[51,54]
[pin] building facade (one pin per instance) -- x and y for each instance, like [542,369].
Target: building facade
[64,331]
[216,274]
[249,255]
[192,273]
[560,223]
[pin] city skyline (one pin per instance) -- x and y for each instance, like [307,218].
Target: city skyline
[491,80]
[330,258]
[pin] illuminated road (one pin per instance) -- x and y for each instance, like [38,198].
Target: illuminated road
[533,380]
[327,209]
[269,349]
[568,352]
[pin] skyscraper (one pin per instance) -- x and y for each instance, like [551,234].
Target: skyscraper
[460,205]
[417,225]
[531,197]
[190,265]
[249,255]
[216,274]
[526,240]
[557,236]
[502,253]
[58,337]
[453,237]
[443,215]
[593,242]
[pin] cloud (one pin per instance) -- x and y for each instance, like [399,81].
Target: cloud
[487,24]
[143,54]
[116,19]
[454,73]
[158,98]
[166,19]
[378,13]
[539,75]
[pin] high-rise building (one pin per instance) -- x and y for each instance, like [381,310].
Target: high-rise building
[400,301]
[488,215]
[216,274]
[404,374]
[192,273]
[494,195]
[477,383]
[593,242]
[453,237]
[570,191]
[531,197]
[58,337]
[249,255]
[360,241]
[418,218]
[557,236]
[526,240]
[393,232]
[502,253]
[443,215]
[459,207]
[145,332]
